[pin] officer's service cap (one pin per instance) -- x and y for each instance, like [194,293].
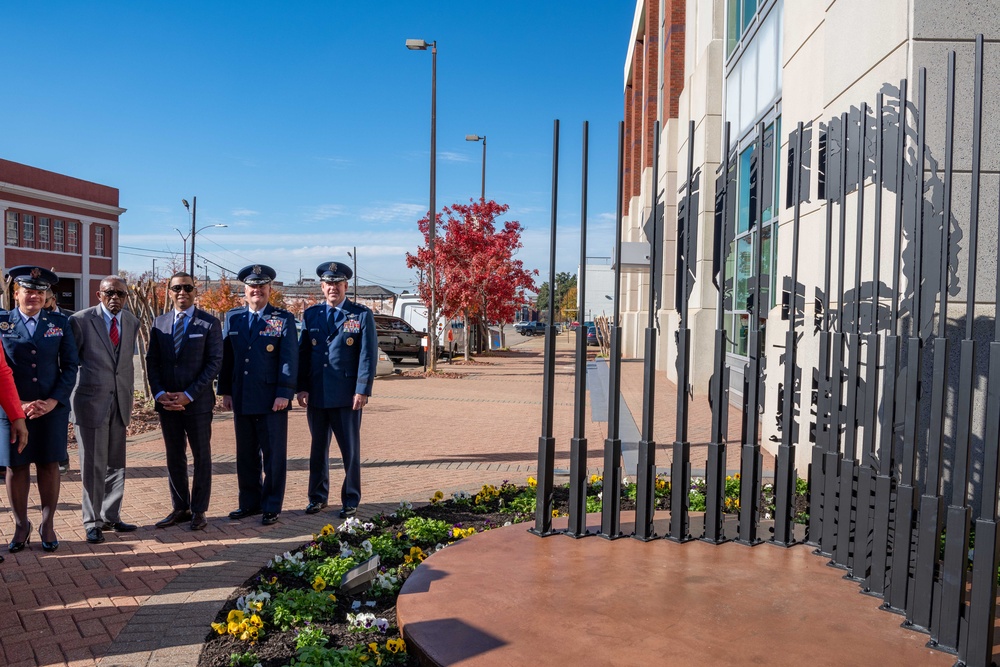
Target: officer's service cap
[33,277]
[333,272]
[256,274]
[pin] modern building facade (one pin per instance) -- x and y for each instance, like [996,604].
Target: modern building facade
[62,223]
[763,66]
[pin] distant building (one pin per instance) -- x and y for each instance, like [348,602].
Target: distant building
[61,223]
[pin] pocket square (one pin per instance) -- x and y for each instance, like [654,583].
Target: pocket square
[194,335]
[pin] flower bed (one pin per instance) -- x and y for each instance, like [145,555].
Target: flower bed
[293,611]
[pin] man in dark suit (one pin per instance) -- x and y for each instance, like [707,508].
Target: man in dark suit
[257,382]
[102,405]
[184,358]
[337,358]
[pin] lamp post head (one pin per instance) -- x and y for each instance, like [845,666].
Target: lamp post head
[185,202]
[417,44]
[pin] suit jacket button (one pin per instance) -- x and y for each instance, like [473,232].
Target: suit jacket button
[246,361]
[246,372]
[34,379]
[33,365]
[34,351]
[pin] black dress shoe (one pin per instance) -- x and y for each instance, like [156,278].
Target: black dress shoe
[314,508]
[47,546]
[16,545]
[120,526]
[94,535]
[175,517]
[348,511]
[198,521]
[269,518]
[241,513]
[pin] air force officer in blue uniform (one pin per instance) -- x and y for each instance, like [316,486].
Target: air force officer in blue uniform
[338,353]
[41,350]
[257,382]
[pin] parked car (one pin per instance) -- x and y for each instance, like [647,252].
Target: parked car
[384,365]
[398,339]
[573,326]
[530,328]
[592,338]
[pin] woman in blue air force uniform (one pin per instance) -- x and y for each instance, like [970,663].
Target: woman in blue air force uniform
[40,349]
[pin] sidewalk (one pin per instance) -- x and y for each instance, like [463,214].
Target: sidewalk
[147,598]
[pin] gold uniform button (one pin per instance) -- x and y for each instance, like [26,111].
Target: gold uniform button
[314,341]
[350,341]
[270,348]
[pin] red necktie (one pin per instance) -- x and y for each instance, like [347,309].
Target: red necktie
[114,332]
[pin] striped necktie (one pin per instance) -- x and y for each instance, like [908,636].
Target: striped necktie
[178,332]
[113,333]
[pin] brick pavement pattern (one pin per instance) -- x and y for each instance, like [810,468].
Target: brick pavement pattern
[147,598]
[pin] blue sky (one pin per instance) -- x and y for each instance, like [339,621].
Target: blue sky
[304,126]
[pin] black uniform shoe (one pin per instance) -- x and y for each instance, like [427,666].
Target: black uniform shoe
[314,508]
[241,513]
[120,526]
[198,521]
[94,535]
[348,511]
[269,518]
[175,517]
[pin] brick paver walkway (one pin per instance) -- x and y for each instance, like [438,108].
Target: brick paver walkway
[147,598]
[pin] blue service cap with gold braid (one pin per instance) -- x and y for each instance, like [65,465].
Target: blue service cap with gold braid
[33,277]
[333,272]
[256,274]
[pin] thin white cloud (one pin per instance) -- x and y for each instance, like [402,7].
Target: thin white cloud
[322,212]
[395,212]
[449,156]
[243,213]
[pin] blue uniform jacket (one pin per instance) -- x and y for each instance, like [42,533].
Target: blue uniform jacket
[45,365]
[258,365]
[334,365]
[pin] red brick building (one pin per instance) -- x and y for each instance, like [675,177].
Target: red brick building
[61,223]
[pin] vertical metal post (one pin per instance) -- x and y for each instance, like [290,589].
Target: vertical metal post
[578,444]
[611,503]
[886,429]
[715,472]
[844,553]
[680,466]
[869,418]
[818,530]
[750,462]
[976,643]
[947,630]
[834,457]
[931,502]
[646,482]
[905,515]
[784,481]
[546,442]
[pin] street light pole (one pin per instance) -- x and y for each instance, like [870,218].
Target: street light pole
[192,235]
[421,45]
[193,209]
[476,137]
[354,256]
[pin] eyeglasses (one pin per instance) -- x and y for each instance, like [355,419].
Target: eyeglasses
[112,293]
[176,289]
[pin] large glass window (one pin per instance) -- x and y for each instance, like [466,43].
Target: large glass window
[751,238]
[99,241]
[71,236]
[57,235]
[13,235]
[43,233]
[28,230]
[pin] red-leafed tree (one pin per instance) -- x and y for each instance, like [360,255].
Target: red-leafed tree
[476,272]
